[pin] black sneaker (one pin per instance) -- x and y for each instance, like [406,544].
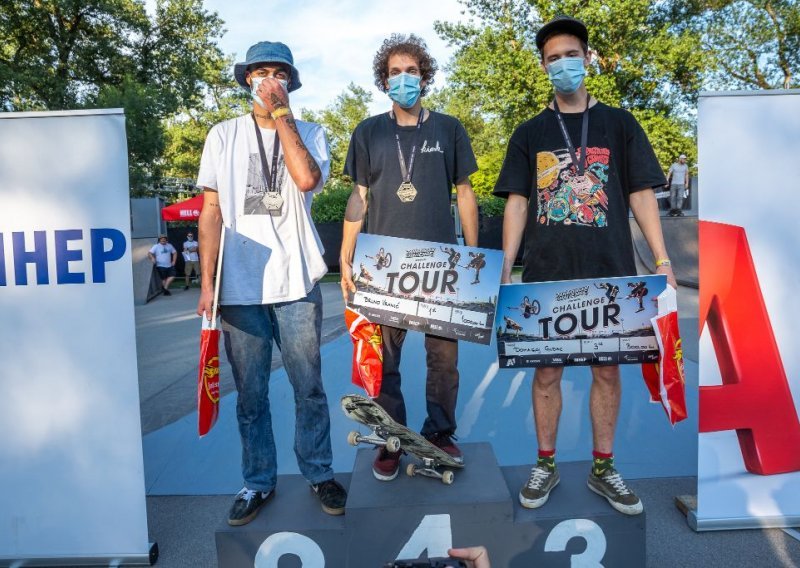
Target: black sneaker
[611,486]
[445,442]
[167,292]
[185,288]
[536,491]
[332,496]
[247,505]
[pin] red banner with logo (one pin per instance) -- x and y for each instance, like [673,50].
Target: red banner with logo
[367,352]
[208,381]
[666,380]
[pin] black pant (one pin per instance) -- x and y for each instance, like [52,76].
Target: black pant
[441,388]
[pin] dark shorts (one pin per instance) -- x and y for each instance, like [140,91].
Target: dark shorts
[165,271]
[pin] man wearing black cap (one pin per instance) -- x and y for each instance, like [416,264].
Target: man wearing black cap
[571,174]
[259,173]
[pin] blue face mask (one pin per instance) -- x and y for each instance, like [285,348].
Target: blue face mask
[404,89]
[566,74]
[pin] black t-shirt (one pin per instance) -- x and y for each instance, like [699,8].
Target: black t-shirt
[578,227]
[444,156]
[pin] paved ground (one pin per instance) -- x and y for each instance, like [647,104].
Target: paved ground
[184,526]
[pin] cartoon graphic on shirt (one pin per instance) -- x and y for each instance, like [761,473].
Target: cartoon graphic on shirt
[564,197]
[257,185]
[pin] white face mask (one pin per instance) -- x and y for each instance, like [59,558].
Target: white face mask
[256,81]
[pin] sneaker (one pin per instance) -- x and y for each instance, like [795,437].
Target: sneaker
[386,464]
[167,292]
[185,288]
[247,505]
[536,491]
[611,486]
[332,496]
[445,443]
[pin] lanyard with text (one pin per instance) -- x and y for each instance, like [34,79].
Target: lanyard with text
[272,200]
[407,192]
[580,166]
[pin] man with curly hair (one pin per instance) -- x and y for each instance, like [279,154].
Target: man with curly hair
[404,164]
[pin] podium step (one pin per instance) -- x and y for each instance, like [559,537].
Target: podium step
[410,518]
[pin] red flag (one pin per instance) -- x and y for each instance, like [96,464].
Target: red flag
[208,381]
[208,372]
[666,379]
[367,352]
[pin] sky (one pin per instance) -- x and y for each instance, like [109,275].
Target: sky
[333,41]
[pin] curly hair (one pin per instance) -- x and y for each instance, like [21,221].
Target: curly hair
[410,45]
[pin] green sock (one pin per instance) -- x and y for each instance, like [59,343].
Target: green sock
[547,461]
[601,464]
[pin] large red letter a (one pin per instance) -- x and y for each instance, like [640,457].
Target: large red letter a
[755,399]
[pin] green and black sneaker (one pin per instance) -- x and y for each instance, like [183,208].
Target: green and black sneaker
[609,484]
[541,482]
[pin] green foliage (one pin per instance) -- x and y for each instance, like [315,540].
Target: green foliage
[339,120]
[185,133]
[755,43]
[491,206]
[96,53]
[329,205]
[648,56]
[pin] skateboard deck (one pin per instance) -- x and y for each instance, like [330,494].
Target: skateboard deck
[387,432]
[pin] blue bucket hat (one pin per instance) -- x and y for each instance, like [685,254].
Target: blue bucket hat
[268,52]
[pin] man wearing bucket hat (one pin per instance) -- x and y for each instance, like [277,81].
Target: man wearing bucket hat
[259,173]
[571,175]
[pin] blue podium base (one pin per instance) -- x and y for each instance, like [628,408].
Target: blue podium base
[412,518]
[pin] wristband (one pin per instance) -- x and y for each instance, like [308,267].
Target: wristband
[663,262]
[283,111]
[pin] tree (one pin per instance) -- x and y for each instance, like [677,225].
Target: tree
[644,60]
[755,43]
[339,120]
[68,54]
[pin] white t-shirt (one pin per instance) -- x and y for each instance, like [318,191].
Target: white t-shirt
[678,172]
[267,258]
[163,254]
[190,251]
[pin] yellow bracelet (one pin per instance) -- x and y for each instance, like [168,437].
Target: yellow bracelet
[283,111]
[663,262]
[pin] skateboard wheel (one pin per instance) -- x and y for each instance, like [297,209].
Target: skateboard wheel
[448,477]
[392,444]
[411,470]
[353,438]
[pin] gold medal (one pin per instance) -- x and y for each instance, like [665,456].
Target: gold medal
[407,192]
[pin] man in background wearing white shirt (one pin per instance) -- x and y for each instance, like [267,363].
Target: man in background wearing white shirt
[191,260]
[259,173]
[163,255]
[678,180]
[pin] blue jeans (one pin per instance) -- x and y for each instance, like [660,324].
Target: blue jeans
[296,328]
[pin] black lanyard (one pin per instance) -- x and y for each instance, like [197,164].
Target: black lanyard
[580,166]
[406,173]
[270,176]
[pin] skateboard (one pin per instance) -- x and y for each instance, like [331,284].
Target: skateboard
[387,432]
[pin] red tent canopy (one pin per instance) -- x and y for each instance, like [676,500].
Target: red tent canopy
[188,210]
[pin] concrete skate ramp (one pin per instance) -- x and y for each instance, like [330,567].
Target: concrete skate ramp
[680,236]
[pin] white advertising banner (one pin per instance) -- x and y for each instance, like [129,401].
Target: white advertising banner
[749,445]
[71,473]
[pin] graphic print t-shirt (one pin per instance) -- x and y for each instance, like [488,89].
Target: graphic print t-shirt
[268,258]
[444,156]
[578,225]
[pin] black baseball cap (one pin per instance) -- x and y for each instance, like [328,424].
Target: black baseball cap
[562,24]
